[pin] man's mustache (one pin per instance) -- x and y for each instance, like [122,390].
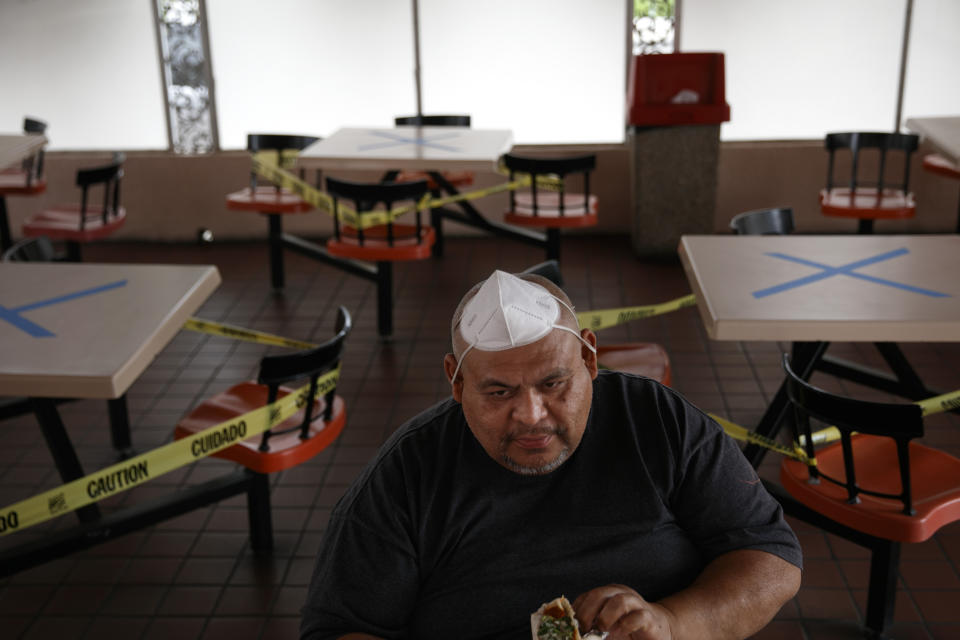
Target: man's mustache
[537,432]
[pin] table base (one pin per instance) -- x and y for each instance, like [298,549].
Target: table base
[113,525]
[807,357]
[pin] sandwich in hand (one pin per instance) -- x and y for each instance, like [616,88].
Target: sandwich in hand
[555,620]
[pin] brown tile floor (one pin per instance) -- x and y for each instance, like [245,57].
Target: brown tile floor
[194,576]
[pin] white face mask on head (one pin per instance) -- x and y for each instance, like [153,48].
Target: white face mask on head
[509,312]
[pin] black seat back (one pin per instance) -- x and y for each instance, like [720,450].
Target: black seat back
[882,143]
[279,142]
[433,121]
[309,365]
[559,167]
[108,177]
[366,195]
[35,249]
[763,222]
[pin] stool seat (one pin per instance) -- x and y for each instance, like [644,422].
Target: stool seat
[14,182]
[375,246]
[935,163]
[647,359]
[62,222]
[456,178]
[936,495]
[286,450]
[884,196]
[267,199]
[867,203]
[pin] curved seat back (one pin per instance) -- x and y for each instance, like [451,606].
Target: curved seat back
[320,420]
[882,194]
[777,221]
[364,197]
[36,249]
[433,121]
[560,208]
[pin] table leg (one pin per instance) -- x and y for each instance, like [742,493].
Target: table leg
[120,426]
[276,250]
[803,360]
[913,386]
[5,240]
[473,218]
[436,221]
[64,455]
[553,244]
[384,298]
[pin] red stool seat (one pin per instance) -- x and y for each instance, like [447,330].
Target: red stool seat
[62,222]
[935,163]
[375,247]
[934,473]
[456,178]
[867,203]
[13,182]
[267,199]
[286,450]
[647,359]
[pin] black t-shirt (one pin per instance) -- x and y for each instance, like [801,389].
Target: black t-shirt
[435,539]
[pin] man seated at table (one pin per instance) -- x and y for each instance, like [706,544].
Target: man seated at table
[542,476]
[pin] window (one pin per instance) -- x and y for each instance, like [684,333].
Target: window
[309,67]
[799,70]
[89,69]
[551,71]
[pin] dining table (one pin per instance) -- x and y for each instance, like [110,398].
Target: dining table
[430,149]
[811,290]
[14,148]
[84,331]
[943,132]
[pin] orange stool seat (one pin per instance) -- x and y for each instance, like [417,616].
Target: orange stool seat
[62,222]
[14,182]
[286,450]
[267,199]
[883,196]
[456,178]
[936,494]
[376,247]
[935,163]
[647,359]
[867,203]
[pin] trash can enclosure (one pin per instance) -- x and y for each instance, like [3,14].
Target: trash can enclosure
[675,104]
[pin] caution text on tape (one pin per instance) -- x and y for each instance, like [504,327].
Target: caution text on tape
[146,466]
[604,318]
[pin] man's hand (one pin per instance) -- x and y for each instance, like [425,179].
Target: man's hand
[735,596]
[623,613]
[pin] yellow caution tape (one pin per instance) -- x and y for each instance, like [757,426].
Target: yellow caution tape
[248,335]
[752,437]
[271,166]
[823,436]
[551,182]
[936,404]
[146,466]
[605,318]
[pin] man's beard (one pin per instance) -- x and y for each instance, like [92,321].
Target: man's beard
[552,465]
